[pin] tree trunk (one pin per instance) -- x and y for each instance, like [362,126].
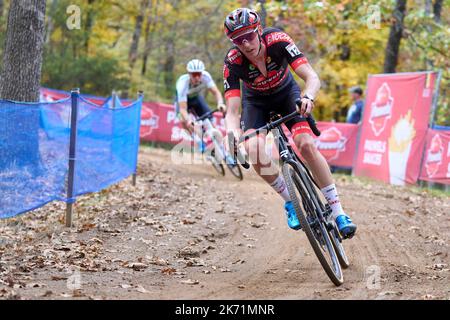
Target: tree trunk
[20,81]
[2,25]
[169,63]
[437,8]
[395,37]
[149,28]
[428,6]
[2,5]
[89,25]
[22,57]
[262,12]
[50,23]
[132,56]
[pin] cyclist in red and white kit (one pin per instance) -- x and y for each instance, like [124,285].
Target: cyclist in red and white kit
[261,59]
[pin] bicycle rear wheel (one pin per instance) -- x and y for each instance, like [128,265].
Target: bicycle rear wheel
[315,230]
[339,249]
[335,237]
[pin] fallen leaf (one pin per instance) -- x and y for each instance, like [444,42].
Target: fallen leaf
[157,261]
[137,266]
[141,289]
[190,282]
[35,285]
[168,271]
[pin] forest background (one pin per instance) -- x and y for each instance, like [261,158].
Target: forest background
[132,45]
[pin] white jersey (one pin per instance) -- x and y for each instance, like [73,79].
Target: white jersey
[185,89]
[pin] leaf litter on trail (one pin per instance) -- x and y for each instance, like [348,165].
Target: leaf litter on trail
[190,282]
[37,242]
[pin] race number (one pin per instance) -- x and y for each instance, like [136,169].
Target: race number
[293,50]
[226,85]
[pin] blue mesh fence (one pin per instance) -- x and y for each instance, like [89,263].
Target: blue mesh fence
[34,150]
[106,144]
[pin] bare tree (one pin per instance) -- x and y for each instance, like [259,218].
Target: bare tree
[89,25]
[437,8]
[22,57]
[262,12]
[2,5]
[152,20]
[50,24]
[170,45]
[395,37]
[169,62]
[133,54]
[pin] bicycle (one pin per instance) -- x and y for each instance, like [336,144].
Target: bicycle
[218,154]
[312,210]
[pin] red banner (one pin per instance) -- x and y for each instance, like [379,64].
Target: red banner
[160,123]
[337,143]
[394,125]
[436,161]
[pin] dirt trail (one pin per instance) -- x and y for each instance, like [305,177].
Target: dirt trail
[186,233]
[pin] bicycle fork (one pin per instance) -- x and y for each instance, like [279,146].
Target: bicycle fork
[287,155]
[215,135]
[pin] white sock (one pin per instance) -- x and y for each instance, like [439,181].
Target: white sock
[279,185]
[332,197]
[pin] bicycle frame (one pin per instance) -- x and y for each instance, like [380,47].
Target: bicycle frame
[288,155]
[312,210]
[213,133]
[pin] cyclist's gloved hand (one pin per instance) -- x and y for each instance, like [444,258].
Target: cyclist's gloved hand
[191,125]
[305,106]
[222,107]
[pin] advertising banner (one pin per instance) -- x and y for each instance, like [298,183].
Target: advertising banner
[394,126]
[436,161]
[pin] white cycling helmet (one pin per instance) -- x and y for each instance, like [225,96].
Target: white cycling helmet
[195,65]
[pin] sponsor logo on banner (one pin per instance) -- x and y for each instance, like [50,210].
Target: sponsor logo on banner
[178,134]
[434,155]
[381,109]
[331,143]
[149,121]
[400,143]
[172,117]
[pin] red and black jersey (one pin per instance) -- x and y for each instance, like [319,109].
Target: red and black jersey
[281,51]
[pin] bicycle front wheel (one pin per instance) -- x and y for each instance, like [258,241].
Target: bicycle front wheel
[235,170]
[305,204]
[218,166]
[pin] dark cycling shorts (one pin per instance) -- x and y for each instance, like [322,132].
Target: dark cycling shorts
[256,109]
[196,105]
